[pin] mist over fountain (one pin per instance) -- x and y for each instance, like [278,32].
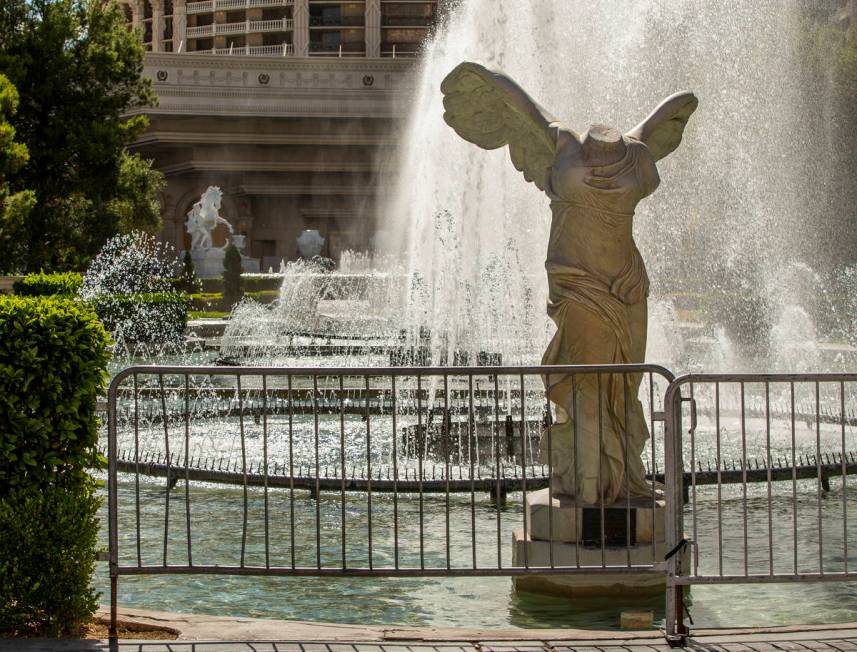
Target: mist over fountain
[741,275]
[742,204]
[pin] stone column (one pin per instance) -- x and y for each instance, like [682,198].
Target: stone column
[373,28]
[136,15]
[157,25]
[301,27]
[179,25]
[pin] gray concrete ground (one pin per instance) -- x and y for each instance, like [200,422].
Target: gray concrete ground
[199,633]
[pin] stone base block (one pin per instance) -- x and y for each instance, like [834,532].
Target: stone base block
[562,520]
[588,582]
[209,263]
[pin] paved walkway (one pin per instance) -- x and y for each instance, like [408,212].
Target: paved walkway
[198,633]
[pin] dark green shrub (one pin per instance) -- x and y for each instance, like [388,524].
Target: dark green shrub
[187,282]
[212,284]
[233,288]
[47,558]
[252,283]
[41,284]
[262,283]
[205,301]
[53,359]
[153,317]
[263,296]
[53,356]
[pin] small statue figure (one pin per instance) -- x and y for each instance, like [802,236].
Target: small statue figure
[203,218]
[310,243]
[597,282]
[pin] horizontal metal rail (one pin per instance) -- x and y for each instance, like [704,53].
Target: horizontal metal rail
[212,470]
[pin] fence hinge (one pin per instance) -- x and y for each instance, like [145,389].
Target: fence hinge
[102,555]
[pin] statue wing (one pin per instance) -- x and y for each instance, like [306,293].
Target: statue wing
[662,130]
[488,109]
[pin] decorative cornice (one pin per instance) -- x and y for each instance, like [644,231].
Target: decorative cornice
[212,165]
[154,138]
[289,63]
[314,190]
[279,86]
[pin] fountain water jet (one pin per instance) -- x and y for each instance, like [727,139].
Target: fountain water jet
[718,232]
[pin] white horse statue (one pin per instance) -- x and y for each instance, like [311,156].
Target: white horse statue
[203,218]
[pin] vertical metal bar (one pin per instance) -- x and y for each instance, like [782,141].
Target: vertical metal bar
[654,462]
[769,478]
[844,478]
[794,475]
[674,485]
[448,465]
[187,466]
[243,467]
[167,452]
[719,480]
[627,472]
[550,476]
[113,504]
[744,474]
[693,480]
[342,523]
[422,438]
[497,472]
[395,479]
[291,469]
[576,434]
[471,446]
[819,486]
[600,479]
[317,473]
[369,474]
[265,463]
[136,466]
[524,470]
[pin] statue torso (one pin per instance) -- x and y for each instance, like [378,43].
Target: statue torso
[593,208]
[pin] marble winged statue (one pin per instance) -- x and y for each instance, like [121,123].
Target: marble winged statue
[597,283]
[204,217]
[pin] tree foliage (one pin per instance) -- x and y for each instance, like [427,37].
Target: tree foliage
[233,288]
[14,206]
[78,72]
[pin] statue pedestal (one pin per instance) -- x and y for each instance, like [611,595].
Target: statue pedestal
[208,263]
[574,533]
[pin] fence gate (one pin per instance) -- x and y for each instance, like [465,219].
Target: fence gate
[342,472]
[765,460]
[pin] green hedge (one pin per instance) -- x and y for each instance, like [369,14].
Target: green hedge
[41,284]
[53,360]
[156,317]
[53,356]
[46,566]
[251,283]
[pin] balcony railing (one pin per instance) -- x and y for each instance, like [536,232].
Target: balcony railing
[342,50]
[407,21]
[245,27]
[284,50]
[336,21]
[395,50]
[207,6]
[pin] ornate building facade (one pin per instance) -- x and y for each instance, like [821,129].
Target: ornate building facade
[292,107]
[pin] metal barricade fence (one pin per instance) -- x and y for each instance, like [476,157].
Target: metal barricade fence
[757,453]
[358,471]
